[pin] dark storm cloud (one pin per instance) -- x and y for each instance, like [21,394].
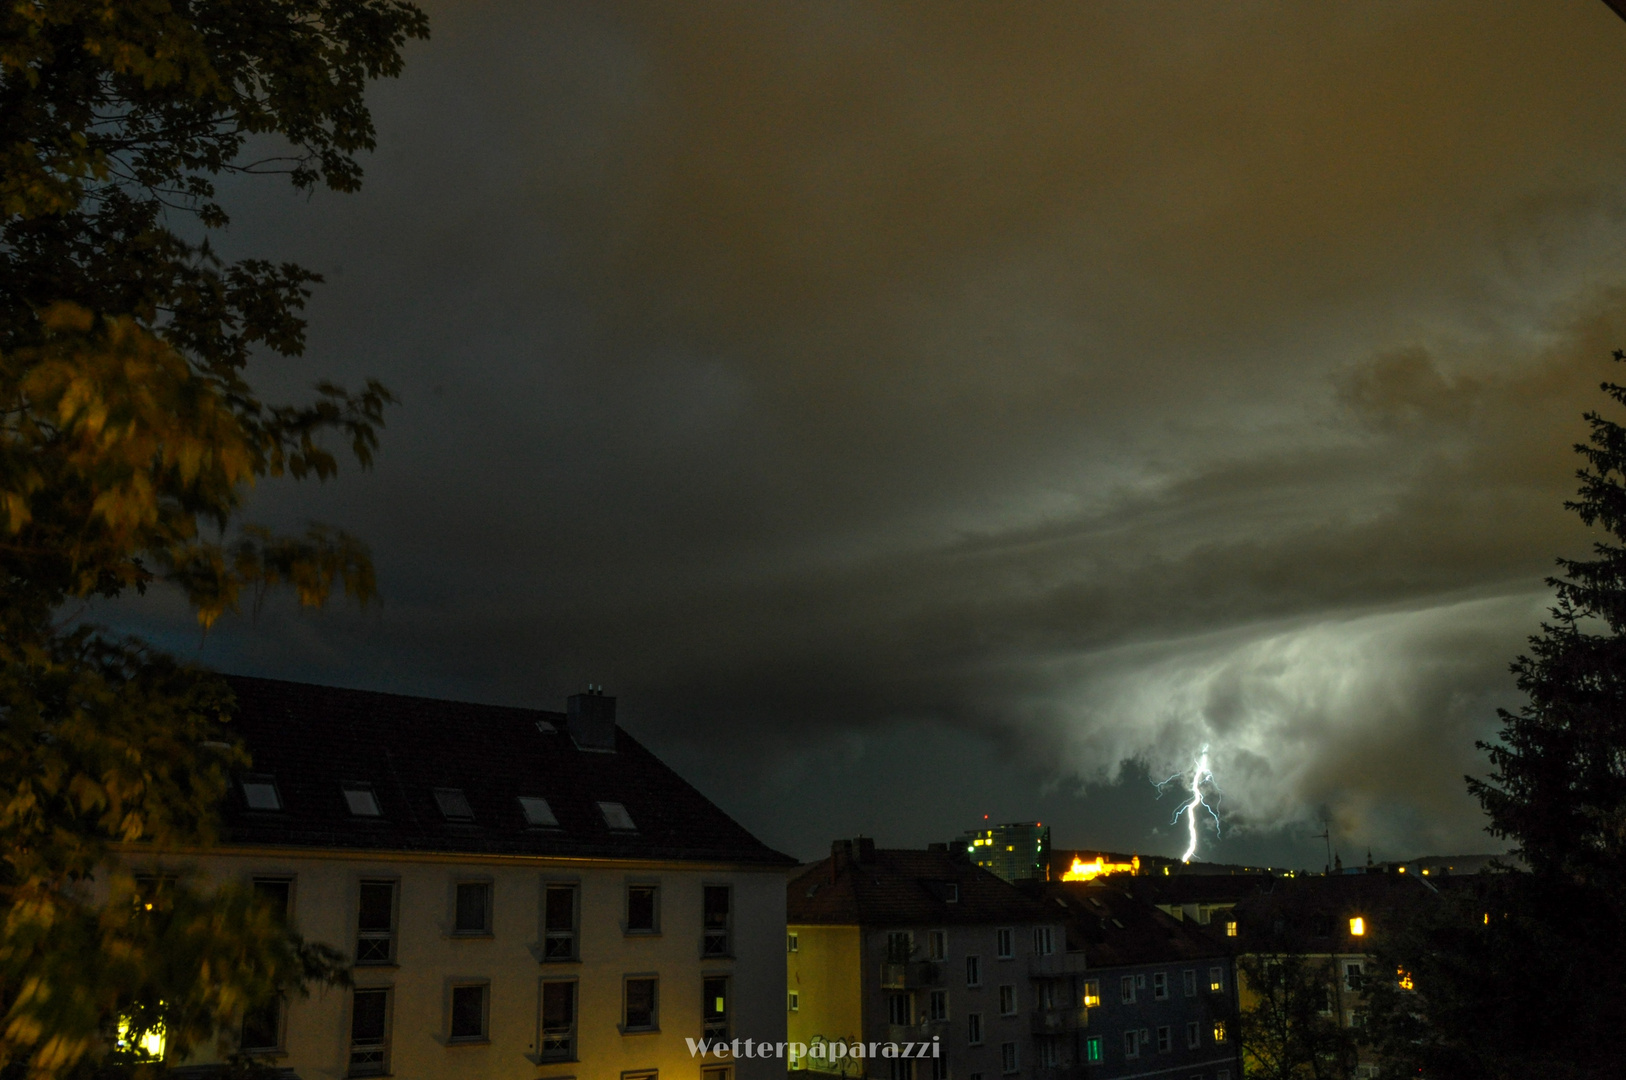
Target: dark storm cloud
[916,412]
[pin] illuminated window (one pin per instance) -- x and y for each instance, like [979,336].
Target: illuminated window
[1216,979]
[793,942]
[1230,928]
[793,1001]
[1092,1048]
[714,1006]
[1219,1031]
[146,1046]
[1092,994]
[1357,926]
[1404,979]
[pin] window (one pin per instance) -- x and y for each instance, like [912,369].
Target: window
[936,944]
[900,946]
[793,1001]
[951,893]
[638,1004]
[723,1072]
[616,817]
[375,923]
[1352,977]
[1216,979]
[472,915]
[278,892]
[1230,928]
[973,971]
[1165,1040]
[937,1005]
[1160,986]
[1126,989]
[1131,1044]
[1193,1034]
[1140,980]
[1044,940]
[1092,1049]
[1047,1053]
[369,1031]
[714,1006]
[558,1021]
[1189,978]
[898,1012]
[1357,1018]
[1007,944]
[1357,927]
[717,916]
[900,1069]
[262,1028]
[643,909]
[1007,1000]
[454,805]
[1047,994]
[260,793]
[559,923]
[1008,1060]
[1219,1031]
[469,1010]
[538,813]
[362,801]
[792,942]
[973,1028]
[940,1068]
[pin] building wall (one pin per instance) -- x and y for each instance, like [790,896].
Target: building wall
[1211,1059]
[1348,1004]
[824,971]
[429,959]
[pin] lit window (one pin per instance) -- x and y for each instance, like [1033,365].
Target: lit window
[792,942]
[1357,926]
[1092,993]
[260,793]
[714,1006]
[643,909]
[1219,1031]
[1092,1049]
[454,806]
[469,1013]
[472,914]
[794,1001]
[717,917]
[537,812]
[361,800]
[638,1013]
[146,1045]
[1216,979]
[616,817]
[1404,979]
[1230,928]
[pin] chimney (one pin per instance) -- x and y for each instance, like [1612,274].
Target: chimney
[590,718]
[865,849]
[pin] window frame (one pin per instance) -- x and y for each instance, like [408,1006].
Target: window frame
[716,942]
[261,780]
[1005,943]
[937,1006]
[713,1025]
[654,927]
[973,1029]
[530,821]
[461,812]
[793,941]
[1126,990]
[1092,1049]
[550,953]
[487,915]
[382,1046]
[391,936]
[1194,1034]
[626,1026]
[278,1046]
[569,1053]
[1090,997]
[1007,994]
[484,1035]
[973,970]
[1160,986]
[1010,1058]
[1188,981]
[361,787]
[937,945]
[1131,1043]
[1216,980]
[1164,1039]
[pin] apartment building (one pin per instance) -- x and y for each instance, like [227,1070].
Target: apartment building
[525,893]
[924,947]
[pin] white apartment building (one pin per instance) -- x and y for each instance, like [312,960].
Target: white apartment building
[525,894]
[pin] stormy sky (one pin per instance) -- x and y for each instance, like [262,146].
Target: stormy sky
[920,412]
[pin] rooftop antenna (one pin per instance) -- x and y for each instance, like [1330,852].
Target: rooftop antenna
[1326,835]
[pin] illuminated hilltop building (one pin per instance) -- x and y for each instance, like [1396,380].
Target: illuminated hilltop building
[1099,867]
[1018,851]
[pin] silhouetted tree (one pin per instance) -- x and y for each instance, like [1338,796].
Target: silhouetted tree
[129,435]
[1521,973]
[1288,1029]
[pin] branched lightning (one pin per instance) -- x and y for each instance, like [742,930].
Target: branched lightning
[1199,775]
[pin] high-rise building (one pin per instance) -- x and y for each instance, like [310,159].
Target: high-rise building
[1017,851]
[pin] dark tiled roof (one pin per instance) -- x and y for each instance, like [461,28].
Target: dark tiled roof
[1197,888]
[1311,914]
[313,739]
[1115,929]
[907,888]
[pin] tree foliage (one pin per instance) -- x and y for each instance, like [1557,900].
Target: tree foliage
[130,435]
[1287,1031]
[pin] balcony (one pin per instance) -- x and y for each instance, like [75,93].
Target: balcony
[1061,963]
[913,975]
[919,1032]
[1060,1021]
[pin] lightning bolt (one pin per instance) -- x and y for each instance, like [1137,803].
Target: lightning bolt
[1200,775]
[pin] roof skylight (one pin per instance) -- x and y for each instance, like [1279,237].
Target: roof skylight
[454,805]
[260,793]
[616,817]
[361,800]
[537,811]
